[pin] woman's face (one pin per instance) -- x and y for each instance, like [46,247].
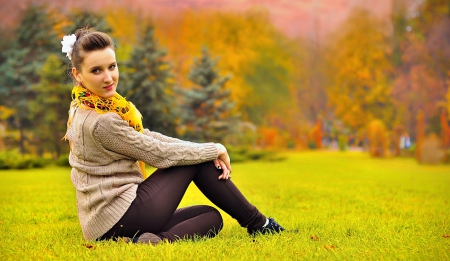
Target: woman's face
[99,72]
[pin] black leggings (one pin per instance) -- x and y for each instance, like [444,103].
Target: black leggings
[155,208]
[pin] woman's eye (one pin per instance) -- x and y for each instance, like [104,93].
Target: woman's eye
[95,71]
[113,66]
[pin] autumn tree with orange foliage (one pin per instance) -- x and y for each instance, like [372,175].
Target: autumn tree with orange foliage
[422,70]
[361,72]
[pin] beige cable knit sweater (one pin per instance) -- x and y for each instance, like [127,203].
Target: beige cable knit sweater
[105,171]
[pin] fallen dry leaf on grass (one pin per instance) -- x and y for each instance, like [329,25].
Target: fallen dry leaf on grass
[328,247]
[314,237]
[444,236]
[89,246]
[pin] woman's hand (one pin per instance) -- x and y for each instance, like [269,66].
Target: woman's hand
[223,161]
[226,173]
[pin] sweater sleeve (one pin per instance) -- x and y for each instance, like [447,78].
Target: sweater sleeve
[162,137]
[116,135]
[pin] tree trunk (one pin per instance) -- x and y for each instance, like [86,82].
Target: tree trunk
[420,135]
[22,139]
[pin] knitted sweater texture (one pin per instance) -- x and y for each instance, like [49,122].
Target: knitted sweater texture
[105,170]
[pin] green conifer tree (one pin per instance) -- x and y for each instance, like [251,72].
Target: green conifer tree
[34,40]
[147,81]
[50,107]
[207,109]
[82,19]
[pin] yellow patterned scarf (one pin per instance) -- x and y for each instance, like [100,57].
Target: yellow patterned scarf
[118,104]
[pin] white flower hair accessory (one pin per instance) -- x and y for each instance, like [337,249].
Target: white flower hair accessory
[67,44]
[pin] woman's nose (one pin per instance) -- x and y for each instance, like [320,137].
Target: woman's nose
[107,77]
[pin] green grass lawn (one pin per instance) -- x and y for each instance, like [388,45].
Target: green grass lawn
[345,206]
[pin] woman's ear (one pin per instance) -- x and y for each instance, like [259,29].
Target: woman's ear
[76,74]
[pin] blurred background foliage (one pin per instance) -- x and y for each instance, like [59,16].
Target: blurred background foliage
[373,84]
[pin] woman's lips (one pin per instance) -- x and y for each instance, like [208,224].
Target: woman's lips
[109,87]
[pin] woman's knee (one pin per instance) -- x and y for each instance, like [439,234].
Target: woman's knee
[216,219]
[216,213]
[207,213]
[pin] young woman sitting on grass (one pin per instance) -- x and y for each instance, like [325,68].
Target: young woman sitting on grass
[109,147]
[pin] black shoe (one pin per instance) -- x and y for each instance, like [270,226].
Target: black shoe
[271,228]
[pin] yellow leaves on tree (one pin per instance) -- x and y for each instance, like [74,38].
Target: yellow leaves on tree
[6,112]
[361,67]
[126,26]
